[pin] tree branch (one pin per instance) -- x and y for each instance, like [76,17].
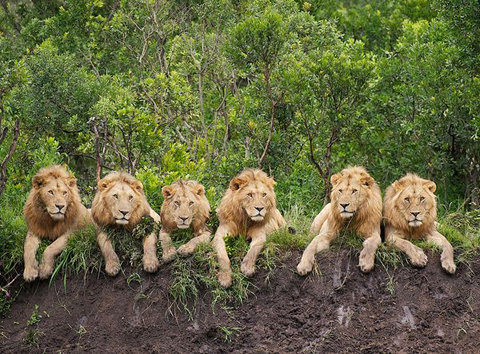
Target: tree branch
[13,146]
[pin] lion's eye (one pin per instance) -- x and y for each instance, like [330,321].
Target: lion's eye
[264,195]
[422,199]
[354,191]
[176,203]
[130,197]
[65,193]
[250,195]
[50,192]
[191,203]
[407,200]
[115,196]
[340,190]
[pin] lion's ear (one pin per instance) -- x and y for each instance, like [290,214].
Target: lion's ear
[138,186]
[335,179]
[102,185]
[199,190]
[168,192]
[430,185]
[37,181]
[71,182]
[237,183]
[397,185]
[367,181]
[271,182]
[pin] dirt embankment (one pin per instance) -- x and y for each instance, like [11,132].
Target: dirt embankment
[402,310]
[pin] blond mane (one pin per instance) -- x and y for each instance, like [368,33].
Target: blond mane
[101,209]
[370,211]
[187,189]
[36,216]
[393,207]
[230,210]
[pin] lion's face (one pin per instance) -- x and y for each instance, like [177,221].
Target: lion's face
[55,194]
[351,189]
[182,200]
[415,200]
[120,200]
[256,197]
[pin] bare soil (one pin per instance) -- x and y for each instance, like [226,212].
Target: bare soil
[339,310]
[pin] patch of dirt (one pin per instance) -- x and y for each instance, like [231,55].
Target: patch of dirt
[402,310]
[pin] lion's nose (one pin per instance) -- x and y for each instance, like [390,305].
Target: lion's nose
[124,212]
[344,206]
[259,209]
[415,213]
[183,218]
[60,206]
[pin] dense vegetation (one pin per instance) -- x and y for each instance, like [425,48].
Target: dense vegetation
[200,89]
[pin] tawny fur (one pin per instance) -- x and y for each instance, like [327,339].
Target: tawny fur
[403,198]
[127,194]
[102,208]
[393,206]
[185,205]
[238,214]
[57,180]
[355,188]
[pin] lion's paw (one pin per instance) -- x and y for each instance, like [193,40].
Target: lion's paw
[169,254]
[112,267]
[247,268]
[225,278]
[366,262]
[45,270]
[304,267]
[30,273]
[419,258]
[448,264]
[185,250]
[150,264]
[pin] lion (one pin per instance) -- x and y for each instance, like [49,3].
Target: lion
[248,208]
[410,213]
[120,203]
[356,204]
[184,205]
[53,211]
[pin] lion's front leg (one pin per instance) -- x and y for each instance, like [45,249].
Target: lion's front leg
[447,251]
[320,220]
[258,241]
[366,261]
[153,214]
[321,242]
[416,255]
[190,246]
[150,260]
[30,247]
[168,249]
[50,254]
[112,263]
[225,272]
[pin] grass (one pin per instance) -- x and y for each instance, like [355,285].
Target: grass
[195,275]
[33,333]
[228,332]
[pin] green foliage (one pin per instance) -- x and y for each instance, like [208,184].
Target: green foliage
[33,333]
[82,255]
[198,272]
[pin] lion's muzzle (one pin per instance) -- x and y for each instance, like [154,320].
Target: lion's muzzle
[58,212]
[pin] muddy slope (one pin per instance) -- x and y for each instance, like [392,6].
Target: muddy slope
[407,310]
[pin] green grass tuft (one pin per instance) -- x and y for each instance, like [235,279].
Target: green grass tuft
[193,274]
